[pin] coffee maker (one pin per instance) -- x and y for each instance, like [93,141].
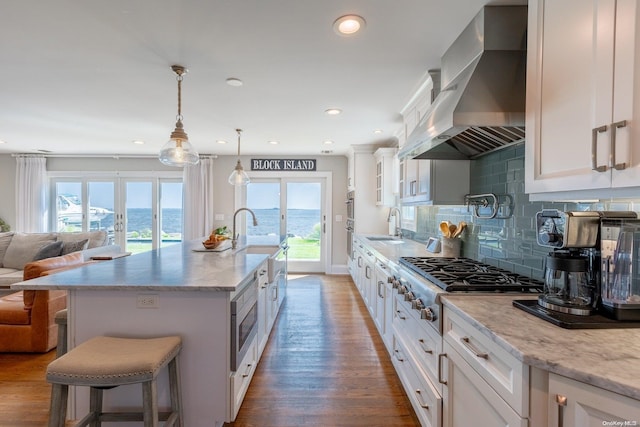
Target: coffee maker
[570,282]
[587,282]
[620,267]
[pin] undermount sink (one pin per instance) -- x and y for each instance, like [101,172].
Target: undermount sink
[386,239]
[268,250]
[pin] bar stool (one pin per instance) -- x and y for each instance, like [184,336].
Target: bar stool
[61,321]
[107,362]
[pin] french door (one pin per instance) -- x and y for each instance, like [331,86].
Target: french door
[139,214]
[295,208]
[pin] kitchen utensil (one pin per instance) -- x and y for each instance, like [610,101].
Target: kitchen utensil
[444,228]
[452,230]
[461,226]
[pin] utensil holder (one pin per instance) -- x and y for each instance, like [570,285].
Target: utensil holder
[450,247]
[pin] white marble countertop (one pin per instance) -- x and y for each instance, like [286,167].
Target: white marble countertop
[605,358]
[392,251]
[172,268]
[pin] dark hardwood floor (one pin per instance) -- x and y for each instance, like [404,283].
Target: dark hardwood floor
[324,365]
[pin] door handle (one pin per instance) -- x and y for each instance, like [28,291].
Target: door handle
[614,127]
[594,149]
[440,380]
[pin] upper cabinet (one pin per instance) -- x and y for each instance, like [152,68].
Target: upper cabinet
[583,98]
[434,182]
[386,176]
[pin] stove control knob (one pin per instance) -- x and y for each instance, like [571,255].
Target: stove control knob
[402,289]
[395,282]
[428,314]
[417,304]
[409,296]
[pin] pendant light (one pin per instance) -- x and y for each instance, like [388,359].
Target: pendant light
[178,151]
[239,176]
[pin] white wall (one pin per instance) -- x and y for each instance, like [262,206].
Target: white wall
[224,193]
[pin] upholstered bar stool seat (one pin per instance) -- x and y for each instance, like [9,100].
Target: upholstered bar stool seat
[107,362]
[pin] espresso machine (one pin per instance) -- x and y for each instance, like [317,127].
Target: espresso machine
[584,283]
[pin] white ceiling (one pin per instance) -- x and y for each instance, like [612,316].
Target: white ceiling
[91,76]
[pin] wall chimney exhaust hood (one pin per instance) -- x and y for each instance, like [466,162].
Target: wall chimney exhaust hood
[481,107]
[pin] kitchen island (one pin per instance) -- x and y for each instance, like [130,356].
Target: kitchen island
[174,290]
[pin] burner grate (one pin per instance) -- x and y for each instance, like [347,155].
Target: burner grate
[468,275]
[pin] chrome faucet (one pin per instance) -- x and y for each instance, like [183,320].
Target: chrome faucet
[234,238]
[394,211]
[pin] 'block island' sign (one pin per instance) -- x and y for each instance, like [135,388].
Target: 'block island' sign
[283,164]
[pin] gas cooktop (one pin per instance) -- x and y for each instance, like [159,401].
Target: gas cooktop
[468,275]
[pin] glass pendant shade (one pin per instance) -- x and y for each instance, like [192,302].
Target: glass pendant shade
[239,177]
[178,151]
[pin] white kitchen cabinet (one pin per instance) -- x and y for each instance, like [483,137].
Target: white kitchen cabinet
[468,400]
[576,404]
[381,300]
[241,378]
[368,217]
[386,176]
[583,98]
[434,182]
[264,309]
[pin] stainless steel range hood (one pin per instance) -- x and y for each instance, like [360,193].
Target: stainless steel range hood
[481,107]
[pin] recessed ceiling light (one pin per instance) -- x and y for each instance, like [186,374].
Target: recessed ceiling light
[273,142]
[2,142]
[138,142]
[348,25]
[377,131]
[221,141]
[326,151]
[232,81]
[333,111]
[327,142]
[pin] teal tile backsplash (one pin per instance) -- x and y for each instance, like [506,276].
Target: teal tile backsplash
[509,243]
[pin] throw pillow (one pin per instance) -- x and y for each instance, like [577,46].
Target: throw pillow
[49,251]
[25,246]
[69,247]
[5,239]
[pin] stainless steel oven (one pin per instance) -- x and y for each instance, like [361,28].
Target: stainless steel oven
[350,225]
[244,320]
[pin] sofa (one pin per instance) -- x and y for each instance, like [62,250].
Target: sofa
[17,249]
[27,318]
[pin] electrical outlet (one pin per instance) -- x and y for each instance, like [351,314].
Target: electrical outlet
[147,301]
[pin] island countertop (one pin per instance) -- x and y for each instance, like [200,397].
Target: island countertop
[605,358]
[177,267]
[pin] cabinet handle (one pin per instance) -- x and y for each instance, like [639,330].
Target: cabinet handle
[473,349]
[614,127]
[399,312]
[397,355]
[379,292]
[426,350]
[412,188]
[419,395]
[359,261]
[366,271]
[561,401]
[440,363]
[247,372]
[594,149]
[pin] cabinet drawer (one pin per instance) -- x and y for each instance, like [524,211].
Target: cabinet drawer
[471,401]
[425,399]
[240,379]
[508,376]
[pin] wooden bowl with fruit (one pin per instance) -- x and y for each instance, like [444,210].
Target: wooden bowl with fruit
[216,238]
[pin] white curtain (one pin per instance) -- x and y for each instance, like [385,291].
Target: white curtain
[198,199]
[31,194]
